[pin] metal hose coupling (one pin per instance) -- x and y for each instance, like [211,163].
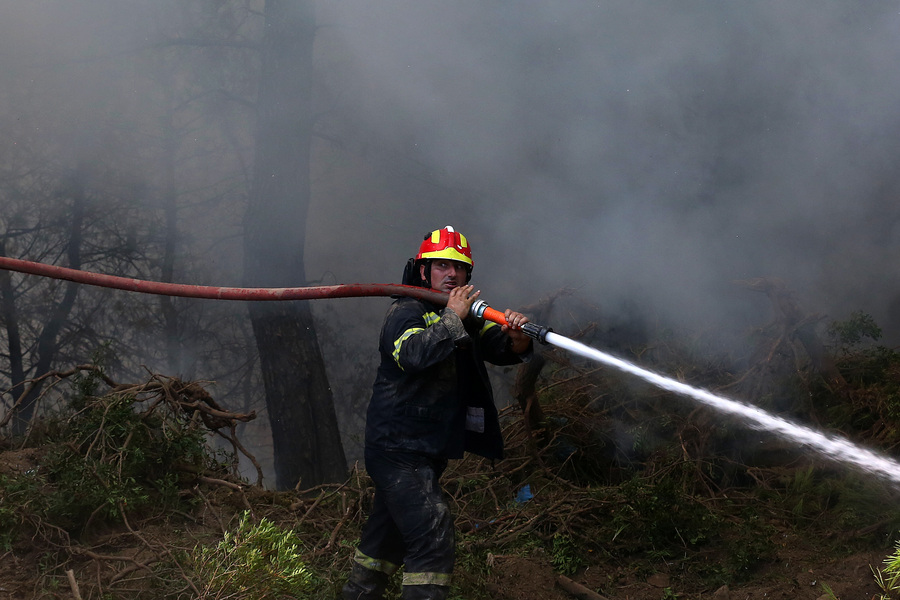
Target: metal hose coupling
[482,310]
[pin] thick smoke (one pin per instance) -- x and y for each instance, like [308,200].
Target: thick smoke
[639,152]
[646,154]
[643,152]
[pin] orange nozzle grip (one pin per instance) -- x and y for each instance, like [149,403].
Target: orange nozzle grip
[494,315]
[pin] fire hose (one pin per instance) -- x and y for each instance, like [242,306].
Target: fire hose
[831,446]
[480,308]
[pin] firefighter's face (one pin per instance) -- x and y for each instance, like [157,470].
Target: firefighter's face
[445,274]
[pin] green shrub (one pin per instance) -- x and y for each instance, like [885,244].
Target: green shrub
[19,493]
[114,458]
[851,332]
[255,562]
[888,579]
[565,555]
[101,457]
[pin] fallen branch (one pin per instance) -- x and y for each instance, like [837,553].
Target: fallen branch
[347,513]
[577,590]
[73,584]
[232,486]
[164,549]
[222,482]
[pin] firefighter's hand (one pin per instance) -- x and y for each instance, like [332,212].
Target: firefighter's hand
[461,301]
[520,341]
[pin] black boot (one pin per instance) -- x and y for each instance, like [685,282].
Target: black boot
[425,592]
[365,584]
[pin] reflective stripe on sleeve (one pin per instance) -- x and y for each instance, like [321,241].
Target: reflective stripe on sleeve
[399,342]
[487,325]
[426,579]
[430,319]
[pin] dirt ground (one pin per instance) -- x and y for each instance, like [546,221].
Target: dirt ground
[797,576]
[517,578]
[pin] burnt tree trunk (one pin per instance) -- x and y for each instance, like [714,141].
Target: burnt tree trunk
[48,341]
[306,441]
[13,337]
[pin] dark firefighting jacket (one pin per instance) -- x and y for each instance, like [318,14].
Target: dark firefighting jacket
[432,394]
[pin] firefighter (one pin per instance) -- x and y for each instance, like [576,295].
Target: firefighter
[431,401]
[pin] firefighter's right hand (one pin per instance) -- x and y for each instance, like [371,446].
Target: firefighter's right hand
[461,299]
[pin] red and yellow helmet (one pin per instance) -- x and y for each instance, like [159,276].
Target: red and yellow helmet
[446,243]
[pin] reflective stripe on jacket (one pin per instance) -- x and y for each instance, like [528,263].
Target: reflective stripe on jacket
[416,400]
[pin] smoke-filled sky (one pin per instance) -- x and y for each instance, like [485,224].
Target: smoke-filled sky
[647,152]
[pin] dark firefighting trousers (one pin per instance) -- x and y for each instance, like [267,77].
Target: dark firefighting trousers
[410,524]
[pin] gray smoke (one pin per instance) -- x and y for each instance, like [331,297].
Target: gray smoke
[646,152]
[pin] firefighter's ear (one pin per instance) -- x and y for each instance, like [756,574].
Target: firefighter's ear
[425,273]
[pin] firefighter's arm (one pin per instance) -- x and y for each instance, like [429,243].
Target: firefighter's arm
[418,341]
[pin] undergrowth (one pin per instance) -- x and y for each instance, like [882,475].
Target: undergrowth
[255,561]
[619,479]
[103,458]
[888,578]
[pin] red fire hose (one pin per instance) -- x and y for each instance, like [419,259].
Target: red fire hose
[353,290]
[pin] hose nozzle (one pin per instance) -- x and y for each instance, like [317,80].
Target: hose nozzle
[482,310]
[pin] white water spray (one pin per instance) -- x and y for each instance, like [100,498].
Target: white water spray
[833,447]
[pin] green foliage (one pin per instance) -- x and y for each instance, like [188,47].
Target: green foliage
[565,554]
[818,500]
[851,332]
[750,547]
[474,563]
[254,562]
[888,579]
[872,368]
[106,457]
[873,373]
[653,479]
[16,494]
[116,458]
[801,494]
[662,517]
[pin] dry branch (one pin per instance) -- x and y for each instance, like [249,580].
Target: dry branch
[577,590]
[795,322]
[73,585]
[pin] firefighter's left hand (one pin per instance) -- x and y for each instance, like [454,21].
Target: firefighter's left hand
[520,341]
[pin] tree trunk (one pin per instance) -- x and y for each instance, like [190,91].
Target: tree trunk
[305,436]
[170,248]
[48,340]
[14,339]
